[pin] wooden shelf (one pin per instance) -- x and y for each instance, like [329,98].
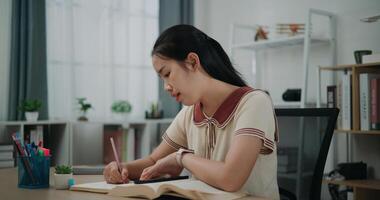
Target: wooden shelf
[350,67]
[372,132]
[274,43]
[363,189]
[356,70]
[39,122]
[367,184]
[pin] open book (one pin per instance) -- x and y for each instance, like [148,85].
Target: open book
[189,188]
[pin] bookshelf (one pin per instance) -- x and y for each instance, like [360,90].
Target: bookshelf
[56,136]
[143,135]
[356,70]
[81,143]
[362,189]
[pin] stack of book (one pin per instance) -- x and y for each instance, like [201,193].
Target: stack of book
[6,156]
[369,101]
[373,58]
[340,96]
[287,159]
[34,134]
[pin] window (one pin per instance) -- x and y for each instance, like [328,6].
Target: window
[100,50]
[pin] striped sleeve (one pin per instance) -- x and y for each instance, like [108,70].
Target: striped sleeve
[175,135]
[256,118]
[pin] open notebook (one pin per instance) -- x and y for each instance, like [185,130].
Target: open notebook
[189,188]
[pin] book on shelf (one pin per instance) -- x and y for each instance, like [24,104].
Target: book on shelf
[7,163]
[331,96]
[6,155]
[117,133]
[130,148]
[37,135]
[346,101]
[6,147]
[339,104]
[365,99]
[34,134]
[375,104]
[373,58]
[138,144]
[187,188]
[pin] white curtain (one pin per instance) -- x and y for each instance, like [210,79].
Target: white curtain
[100,50]
[5,41]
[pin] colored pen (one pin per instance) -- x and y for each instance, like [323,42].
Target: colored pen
[24,158]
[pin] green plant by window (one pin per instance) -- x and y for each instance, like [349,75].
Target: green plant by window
[84,106]
[121,106]
[30,105]
[63,169]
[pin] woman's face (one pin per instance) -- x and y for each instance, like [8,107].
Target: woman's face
[178,79]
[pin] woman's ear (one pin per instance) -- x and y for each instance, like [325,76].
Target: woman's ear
[193,62]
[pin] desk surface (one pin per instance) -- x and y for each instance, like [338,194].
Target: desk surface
[10,191]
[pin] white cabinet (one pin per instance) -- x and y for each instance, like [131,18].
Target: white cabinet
[81,143]
[87,139]
[302,40]
[56,136]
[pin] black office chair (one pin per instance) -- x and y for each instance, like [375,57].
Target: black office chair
[313,128]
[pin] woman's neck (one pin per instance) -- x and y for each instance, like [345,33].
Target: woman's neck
[215,96]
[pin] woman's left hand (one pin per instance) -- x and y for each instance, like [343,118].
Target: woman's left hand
[166,165]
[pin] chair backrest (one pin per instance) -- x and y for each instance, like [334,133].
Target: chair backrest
[305,136]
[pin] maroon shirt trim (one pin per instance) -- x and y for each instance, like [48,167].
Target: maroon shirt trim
[225,111]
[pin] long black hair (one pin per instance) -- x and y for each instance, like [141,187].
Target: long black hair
[178,41]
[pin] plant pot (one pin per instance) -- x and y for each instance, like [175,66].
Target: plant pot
[31,116]
[82,118]
[61,181]
[121,117]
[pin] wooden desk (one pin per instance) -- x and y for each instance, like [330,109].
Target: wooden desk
[363,189]
[10,191]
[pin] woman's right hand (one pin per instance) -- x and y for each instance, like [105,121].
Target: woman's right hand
[112,175]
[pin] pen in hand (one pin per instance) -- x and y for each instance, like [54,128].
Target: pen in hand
[116,158]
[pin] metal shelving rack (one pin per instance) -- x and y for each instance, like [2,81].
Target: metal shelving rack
[305,40]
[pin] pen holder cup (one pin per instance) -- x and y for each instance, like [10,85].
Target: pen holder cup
[33,172]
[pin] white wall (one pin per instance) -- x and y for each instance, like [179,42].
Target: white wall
[281,67]
[215,16]
[5,28]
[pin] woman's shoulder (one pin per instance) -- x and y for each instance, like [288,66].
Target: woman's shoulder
[257,97]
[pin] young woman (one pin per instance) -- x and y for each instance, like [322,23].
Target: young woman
[226,133]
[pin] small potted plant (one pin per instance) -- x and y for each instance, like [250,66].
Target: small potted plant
[121,108]
[62,175]
[83,107]
[31,107]
[154,112]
